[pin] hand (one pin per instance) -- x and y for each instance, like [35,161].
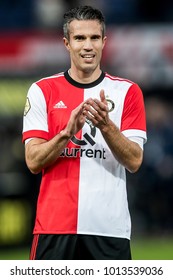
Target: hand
[97,111]
[76,121]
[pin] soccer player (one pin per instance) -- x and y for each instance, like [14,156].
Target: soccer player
[83,128]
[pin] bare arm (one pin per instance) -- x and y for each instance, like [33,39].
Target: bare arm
[127,152]
[40,153]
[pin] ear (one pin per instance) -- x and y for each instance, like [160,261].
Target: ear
[104,41]
[66,43]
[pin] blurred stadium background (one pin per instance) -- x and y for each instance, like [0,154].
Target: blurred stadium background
[139,47]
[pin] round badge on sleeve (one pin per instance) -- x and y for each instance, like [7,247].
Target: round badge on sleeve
[27,106]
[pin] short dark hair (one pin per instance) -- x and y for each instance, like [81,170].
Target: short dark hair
[83,13]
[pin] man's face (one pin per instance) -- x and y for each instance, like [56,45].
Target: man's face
[85,45]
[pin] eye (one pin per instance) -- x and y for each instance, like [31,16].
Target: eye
[96,37]
[79,38]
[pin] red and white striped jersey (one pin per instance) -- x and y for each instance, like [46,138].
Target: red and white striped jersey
[84,191]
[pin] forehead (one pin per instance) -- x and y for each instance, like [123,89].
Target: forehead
[85,27]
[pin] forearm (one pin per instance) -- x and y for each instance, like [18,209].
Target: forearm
[127,152]
[40,153]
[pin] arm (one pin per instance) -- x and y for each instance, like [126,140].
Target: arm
[127,152]
[40,153]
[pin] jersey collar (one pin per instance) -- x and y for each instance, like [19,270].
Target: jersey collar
[80,85]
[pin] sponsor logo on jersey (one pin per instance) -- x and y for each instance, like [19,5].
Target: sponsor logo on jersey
[80,152]
[87,139]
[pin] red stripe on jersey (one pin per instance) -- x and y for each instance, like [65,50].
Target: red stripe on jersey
[35,133]
[114,78]
[133,116]
[34,247]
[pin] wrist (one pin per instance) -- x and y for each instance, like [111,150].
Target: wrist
[65,134]
[108,127]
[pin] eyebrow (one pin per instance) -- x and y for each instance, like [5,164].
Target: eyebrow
[84,36]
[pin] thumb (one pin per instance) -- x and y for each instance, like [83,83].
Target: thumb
[102,97]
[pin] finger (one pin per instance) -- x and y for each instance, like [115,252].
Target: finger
[102,106]
[103,99]
[102,96]
[90,111]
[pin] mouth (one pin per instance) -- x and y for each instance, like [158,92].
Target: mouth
[88,57]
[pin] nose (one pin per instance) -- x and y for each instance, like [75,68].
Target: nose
[88,44]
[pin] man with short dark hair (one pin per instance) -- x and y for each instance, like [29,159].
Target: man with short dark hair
[82,129]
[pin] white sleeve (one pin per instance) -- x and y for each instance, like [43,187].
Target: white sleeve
[138,140]
[35,114]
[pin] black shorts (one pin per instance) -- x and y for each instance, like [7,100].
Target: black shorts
[79,247]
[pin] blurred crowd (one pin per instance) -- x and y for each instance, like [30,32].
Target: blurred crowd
[151,189]
[22,14]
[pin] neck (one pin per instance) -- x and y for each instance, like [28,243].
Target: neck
[84,77]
